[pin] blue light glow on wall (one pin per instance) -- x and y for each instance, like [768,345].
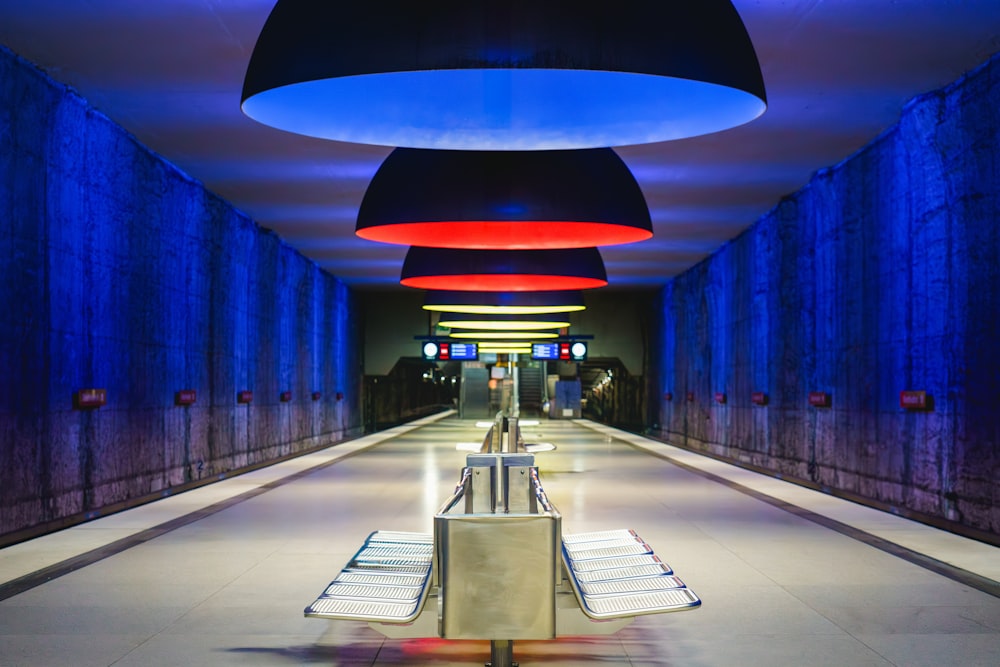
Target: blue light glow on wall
[882,275]
[121,273]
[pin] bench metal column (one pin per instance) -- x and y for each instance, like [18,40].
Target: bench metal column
[498,560]
[501,653]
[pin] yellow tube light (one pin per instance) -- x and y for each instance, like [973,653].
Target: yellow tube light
[507,350]
[503,335]
[504,303]
[504,310]
[494,345]
[504,325]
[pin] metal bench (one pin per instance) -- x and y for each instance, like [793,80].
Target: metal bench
[500,568]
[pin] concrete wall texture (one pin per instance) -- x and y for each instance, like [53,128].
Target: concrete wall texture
[121,273]
[881,275]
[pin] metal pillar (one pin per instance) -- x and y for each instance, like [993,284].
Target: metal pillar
[515,399]
[501,653]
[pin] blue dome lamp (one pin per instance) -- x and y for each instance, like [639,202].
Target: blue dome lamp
[511,75]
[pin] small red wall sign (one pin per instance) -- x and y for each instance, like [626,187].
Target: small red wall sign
[914,400]
[185,397]
[720,397]
[819,399]
[690,397]
[758,398]
[668,396]
[285,396]
[244,396]
[89,399]
[317,395]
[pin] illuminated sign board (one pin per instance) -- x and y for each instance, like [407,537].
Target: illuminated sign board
[545,351]
[575,351]
[450,351]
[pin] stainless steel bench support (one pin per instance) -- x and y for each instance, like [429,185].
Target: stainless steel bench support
[501,654]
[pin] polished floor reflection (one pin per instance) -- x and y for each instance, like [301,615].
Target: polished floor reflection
[228,585]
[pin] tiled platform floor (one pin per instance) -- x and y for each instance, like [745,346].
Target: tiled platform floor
[229,587]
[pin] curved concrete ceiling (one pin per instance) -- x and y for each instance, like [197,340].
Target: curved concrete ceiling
[838,72]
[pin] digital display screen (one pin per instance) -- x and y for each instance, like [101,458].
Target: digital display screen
[545,351]
[575,351]
[464,351]
[450,351]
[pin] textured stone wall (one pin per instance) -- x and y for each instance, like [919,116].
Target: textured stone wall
[121,273]
[881,275]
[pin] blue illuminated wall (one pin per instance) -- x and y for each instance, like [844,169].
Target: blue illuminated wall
[881,275]
[121,273]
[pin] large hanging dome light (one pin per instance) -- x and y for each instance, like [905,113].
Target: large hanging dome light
[504,199]
[503,303]
[503,270]
[511,75]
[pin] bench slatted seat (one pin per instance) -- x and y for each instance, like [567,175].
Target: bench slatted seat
[636,571]
[368,592]
[399,537]
[379,551]
[635,605]
[607,549]
[385,568]
[387,580]
[615,574]
[380,578]
[635,585]
[580,538]
[616,563]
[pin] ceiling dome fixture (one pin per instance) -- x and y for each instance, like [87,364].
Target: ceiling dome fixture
[503,270]
[512,75]
[504,303]
[504,199]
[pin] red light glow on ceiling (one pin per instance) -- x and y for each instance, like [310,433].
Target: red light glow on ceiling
[516,282]
[505,235]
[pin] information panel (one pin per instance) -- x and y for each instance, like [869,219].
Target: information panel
[545,351]
[574,351]
[464,351]
[450,351]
